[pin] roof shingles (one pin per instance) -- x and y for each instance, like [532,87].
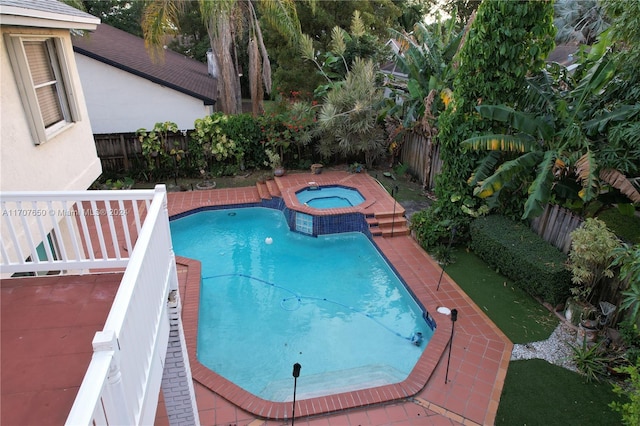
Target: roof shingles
[128,53]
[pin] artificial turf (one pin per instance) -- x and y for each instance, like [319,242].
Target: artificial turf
[517,314]
[539,393]
[535,392]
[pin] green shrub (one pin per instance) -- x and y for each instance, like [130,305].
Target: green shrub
[246,131]
[432,230]
[520,254]
[626,226]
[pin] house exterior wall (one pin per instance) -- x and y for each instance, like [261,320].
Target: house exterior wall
[68,161]
[121,102]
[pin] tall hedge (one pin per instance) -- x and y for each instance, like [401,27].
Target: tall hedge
[520,254]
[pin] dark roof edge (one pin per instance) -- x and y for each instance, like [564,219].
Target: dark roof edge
[206,100]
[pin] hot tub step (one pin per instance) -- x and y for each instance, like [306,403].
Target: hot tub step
[263,191]
[273,187]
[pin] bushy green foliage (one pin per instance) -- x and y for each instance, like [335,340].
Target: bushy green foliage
[625,226]
[246,131]
[629,410]
[506,41]
[288,129]
[156,148]
[592,245]
[520,254]
[430,230]
[224,144]
[210,132]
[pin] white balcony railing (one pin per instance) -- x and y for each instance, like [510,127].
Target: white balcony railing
[80,229]
[96,230]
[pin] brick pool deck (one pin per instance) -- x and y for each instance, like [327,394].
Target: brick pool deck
[480,352]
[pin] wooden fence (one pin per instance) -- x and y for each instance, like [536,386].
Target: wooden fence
[121,152]
[422,157]
[555,226]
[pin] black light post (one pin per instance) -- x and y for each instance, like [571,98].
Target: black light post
[296,374]
[454,318]
[453,234]
[394,192]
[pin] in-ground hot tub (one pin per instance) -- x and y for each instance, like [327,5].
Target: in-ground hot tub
[329,196]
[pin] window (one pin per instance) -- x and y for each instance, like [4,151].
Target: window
[42,76]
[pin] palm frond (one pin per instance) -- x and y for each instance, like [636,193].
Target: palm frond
[281,15]
[306,48]
[159,19]
[619,181]
[510,143]
[338,44]
[358,28]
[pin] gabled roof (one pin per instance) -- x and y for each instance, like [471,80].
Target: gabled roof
[45,14]
[127,52]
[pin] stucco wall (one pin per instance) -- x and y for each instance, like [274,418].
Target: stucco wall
[120,102]
[66,162]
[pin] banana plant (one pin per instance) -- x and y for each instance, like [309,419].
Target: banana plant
[556,139]
[426,57]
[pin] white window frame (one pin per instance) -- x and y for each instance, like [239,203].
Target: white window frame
[54,47]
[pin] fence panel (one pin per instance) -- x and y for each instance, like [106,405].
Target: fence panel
[120,151]
[555,225]
[422,157]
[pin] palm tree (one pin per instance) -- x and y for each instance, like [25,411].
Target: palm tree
[579,21]
[228,22]
[348,118]
[559,138]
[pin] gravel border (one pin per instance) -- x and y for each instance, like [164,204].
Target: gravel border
[555,349]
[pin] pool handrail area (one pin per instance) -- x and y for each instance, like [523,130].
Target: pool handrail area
[123,380]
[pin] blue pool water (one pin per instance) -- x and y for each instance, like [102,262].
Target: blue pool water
[330,303]
[327,197]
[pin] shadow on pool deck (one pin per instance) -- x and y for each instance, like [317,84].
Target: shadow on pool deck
[479,354]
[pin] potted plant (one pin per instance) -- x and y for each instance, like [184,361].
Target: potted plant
[590,259]
[206,182]
[316,169]
[355,167]
[275,162]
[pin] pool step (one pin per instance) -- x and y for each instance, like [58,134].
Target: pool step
[263,190]
[388,224]
[268,189]
[274,188]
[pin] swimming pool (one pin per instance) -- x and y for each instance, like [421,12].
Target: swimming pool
[274,294]
[329,196]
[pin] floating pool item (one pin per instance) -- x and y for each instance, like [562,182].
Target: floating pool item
[268,240]
[444,310]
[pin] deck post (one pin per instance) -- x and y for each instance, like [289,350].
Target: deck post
[117,408]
